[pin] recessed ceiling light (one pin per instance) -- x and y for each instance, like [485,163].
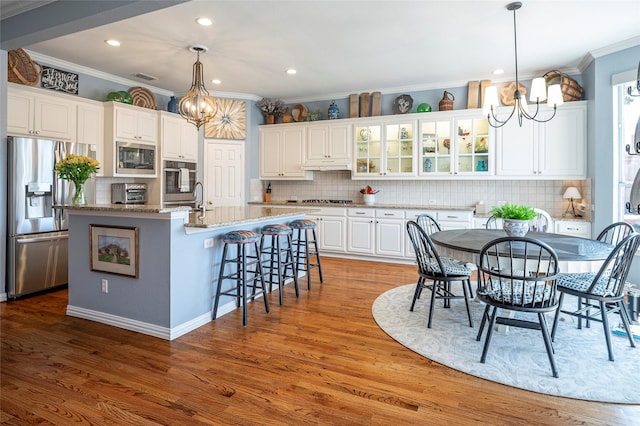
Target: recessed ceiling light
[216,81]
[291,71]
[499,71]
[205,22]
[114,43]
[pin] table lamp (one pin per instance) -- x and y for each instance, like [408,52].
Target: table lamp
[571,193]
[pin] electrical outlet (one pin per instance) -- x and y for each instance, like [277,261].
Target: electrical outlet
[432,202]
[105,286]
[208,243]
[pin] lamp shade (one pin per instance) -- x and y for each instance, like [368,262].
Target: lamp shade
[572,192]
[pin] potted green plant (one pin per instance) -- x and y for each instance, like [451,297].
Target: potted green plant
[515,218]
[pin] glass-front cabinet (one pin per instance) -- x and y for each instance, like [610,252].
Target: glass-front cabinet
[385,149]
[454,146]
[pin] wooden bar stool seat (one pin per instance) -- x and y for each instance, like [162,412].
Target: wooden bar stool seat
[240,275]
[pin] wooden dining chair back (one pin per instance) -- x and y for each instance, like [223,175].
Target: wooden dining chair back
[517,274]
[601,293]
[615,233]
[428,223]
[436,273]
[542,222]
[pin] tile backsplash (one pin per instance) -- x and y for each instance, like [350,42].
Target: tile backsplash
[543,194]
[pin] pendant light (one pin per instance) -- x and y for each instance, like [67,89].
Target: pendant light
[520,108]
[197,106]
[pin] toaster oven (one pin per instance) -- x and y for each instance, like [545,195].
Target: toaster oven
[128,193]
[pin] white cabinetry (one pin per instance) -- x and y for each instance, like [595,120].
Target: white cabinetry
[361,229]
[573,227]
[131,123]
[390,232]
[448,219]
[384,149]
[178,138]
[90,128]
[37,115]
[455,144]
[331,229]
[282,153]
[329,145]
[552,150]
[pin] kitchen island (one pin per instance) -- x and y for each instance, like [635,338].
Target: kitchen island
[177,252]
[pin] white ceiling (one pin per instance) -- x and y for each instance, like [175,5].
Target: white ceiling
[342,47]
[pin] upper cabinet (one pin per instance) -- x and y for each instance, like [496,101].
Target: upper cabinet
[552,150]
[132,123]
[455,144]
[328,144]
[90,129]
[178,138]
[385,149]
[282,153]
[38,115]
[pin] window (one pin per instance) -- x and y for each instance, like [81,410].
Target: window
[628,115]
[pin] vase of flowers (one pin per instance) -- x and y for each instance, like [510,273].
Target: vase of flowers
[271,108]
[77,169]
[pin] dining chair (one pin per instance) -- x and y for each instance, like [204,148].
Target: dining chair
[517,274]
[436,273]
[615,233]
[542,222]
[428,223]
[493,223]
[601,293]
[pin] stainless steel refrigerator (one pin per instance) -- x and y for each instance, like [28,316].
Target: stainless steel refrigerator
[37,233]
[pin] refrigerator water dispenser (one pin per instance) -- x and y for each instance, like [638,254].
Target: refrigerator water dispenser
[39,201]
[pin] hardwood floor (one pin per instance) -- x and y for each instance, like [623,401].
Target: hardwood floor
[319,359]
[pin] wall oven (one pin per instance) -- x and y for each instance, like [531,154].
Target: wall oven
[136,159]
[179,179]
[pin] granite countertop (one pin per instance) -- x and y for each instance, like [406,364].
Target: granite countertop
[137,208]
[360,205]
[226,216]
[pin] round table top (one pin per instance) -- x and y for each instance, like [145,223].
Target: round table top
[567,247]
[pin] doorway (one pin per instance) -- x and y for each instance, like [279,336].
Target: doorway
[224,173]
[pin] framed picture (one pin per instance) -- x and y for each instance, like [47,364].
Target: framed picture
[114,249]
[229,121]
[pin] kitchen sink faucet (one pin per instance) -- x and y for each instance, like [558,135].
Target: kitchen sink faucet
[201,206]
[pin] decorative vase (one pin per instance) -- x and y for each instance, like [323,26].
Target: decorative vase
[515,228]
[79,197]
[333,112]
[369,198]
[172,106]
[287,117]
[270,119]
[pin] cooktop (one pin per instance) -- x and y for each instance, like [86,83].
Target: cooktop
[328,201]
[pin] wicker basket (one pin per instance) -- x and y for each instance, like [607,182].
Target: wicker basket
[446,104]
[571,90]
[21,69]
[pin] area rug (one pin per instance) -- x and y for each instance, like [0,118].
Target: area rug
[516,357]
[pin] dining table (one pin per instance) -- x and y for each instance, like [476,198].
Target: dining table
[575,254]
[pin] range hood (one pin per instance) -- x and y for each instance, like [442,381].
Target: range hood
[326,167]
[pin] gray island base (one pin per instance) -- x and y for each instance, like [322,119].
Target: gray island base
[174,290]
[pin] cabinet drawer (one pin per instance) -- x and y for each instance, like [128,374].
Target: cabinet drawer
[389,214]
[413,214]
[582,229]
[454,216]
[356,212]
[330,211]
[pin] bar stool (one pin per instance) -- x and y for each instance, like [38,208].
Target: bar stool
[271,247]
[243,260]
[302,243]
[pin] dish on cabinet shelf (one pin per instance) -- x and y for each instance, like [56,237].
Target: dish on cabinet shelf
[299,112]
[142,97]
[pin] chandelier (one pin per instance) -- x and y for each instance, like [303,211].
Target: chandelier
[520,107]
[197,106]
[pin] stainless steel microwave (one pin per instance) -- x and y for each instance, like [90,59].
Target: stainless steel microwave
[136,158]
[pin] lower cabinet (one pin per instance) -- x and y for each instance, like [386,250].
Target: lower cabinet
[361,230]
[391,232]
[331,229]
[574,228]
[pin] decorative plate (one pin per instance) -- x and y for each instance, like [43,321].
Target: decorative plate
[299,112]
[402,104]
[229,122]
[143,97]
